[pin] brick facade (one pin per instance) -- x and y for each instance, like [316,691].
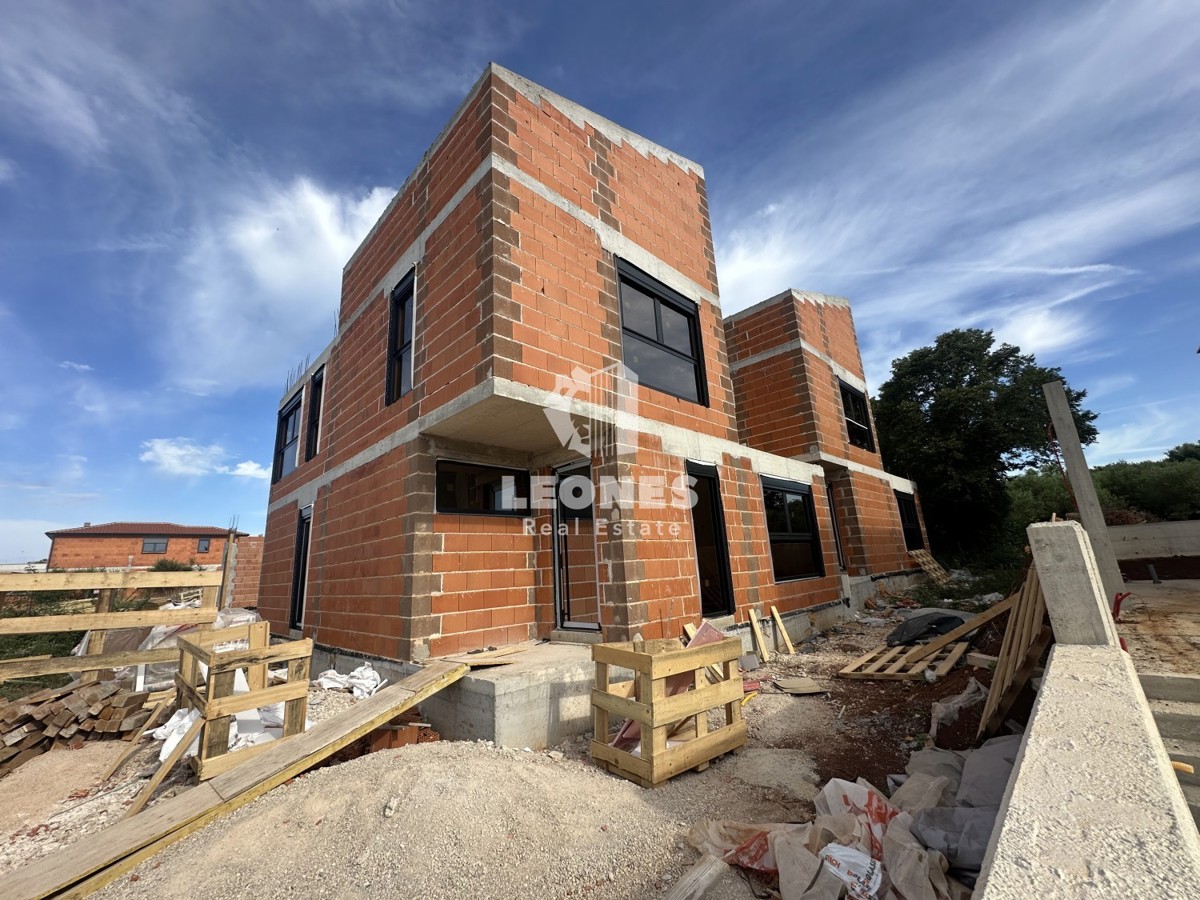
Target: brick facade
[515,223]
[91,547]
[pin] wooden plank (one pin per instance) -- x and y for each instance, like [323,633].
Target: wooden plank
[689,755]
[626,763]
[967,627]
[953,655]
[295,709]
[1184,688]
[10,669]
[99,621]
[229,660]
[675,662]
[696,881]
[20,582]
[96,640]
[133,741]
[600,720]
[760,644]
[236,703]
[888,656]
[167,765]
[782,632]
[714,674]
[110,853]
[219,765]
[216,727]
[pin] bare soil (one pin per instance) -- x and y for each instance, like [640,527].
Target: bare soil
[476,820]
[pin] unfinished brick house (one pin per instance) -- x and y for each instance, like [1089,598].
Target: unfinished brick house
[534,420]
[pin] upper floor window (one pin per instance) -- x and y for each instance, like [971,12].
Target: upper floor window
[858,419]
[488,490]
[316,393]
[660,336]
[910,521]
[287,439]
[154,545]
[400,335]
[792,529]
[203,545]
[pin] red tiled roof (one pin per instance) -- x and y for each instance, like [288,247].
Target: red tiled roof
[165,529]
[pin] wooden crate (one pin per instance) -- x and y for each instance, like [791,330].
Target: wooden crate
[669,700]
[213,694]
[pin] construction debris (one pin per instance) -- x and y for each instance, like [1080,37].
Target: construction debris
[66,717]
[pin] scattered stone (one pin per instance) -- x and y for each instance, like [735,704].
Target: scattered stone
[390,809]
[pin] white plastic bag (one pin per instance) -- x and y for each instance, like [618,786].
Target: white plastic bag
[363,681]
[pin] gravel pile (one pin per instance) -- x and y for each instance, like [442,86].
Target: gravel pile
[470,820]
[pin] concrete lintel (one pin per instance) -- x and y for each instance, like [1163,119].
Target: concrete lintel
[1093,808]
[1079,612]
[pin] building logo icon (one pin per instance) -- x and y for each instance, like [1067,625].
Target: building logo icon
[595,413]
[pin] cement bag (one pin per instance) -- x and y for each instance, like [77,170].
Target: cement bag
[921,791]
[862,801]
[861,874]
[915,872]
[986,771]
[760,846]
[961,834]
[937,762]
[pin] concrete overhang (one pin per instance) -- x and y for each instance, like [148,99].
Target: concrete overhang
[497,421]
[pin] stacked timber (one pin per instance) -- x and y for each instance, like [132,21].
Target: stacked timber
[66,717]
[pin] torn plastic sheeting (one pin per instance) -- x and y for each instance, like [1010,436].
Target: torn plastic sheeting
[961,833]
[915,872]
[986,772]
[363,682]
[922,791]
[945,712]
[935,761]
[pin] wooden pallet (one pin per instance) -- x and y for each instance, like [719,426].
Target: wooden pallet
[1026,638]
[904,662]
[931,566]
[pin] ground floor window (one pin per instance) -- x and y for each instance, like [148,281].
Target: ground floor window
[792,528]
[910,521]
[466,488]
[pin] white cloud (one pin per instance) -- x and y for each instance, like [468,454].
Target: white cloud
[184,457]
[261,286]
[8,170]
[74,366]
[991,188]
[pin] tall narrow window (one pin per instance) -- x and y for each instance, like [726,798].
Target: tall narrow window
[858,420]
[316,393]
[660,336]
[400,335]
[287,439]
[300,568]
[910,521]
[792,528]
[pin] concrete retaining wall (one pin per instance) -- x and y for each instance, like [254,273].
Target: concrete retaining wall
[1155,540]
[1093,808]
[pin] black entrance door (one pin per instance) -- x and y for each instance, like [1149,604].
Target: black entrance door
[712,551]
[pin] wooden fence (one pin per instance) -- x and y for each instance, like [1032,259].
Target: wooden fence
[110,586]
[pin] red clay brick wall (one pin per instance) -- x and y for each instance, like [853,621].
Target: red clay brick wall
[248,572]
[487,583]
[118,552]
[872,535]
[279,545]
[790,403]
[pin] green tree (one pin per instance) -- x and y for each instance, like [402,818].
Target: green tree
[1184,452]
[957,417]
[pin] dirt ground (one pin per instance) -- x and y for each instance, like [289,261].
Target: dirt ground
[1161,626]
[475,820]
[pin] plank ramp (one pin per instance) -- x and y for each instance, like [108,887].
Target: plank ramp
[86,866]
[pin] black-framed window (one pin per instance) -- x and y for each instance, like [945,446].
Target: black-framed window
[792,529]
[400,339]
[466,488]
[660,336]
[316,393]
[910,521]
[287,439]
[300,568]
[858,419]
[154,545]
[203,545]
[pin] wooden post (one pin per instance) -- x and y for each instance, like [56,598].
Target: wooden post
[215,741]
[296,711]
[96,639]
[600,723]
[1084,489]
[259,637]
[1066,569]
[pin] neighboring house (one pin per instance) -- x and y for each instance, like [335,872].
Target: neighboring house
[535,321]
[119,545]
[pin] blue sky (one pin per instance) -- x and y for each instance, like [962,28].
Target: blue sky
[181,183]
